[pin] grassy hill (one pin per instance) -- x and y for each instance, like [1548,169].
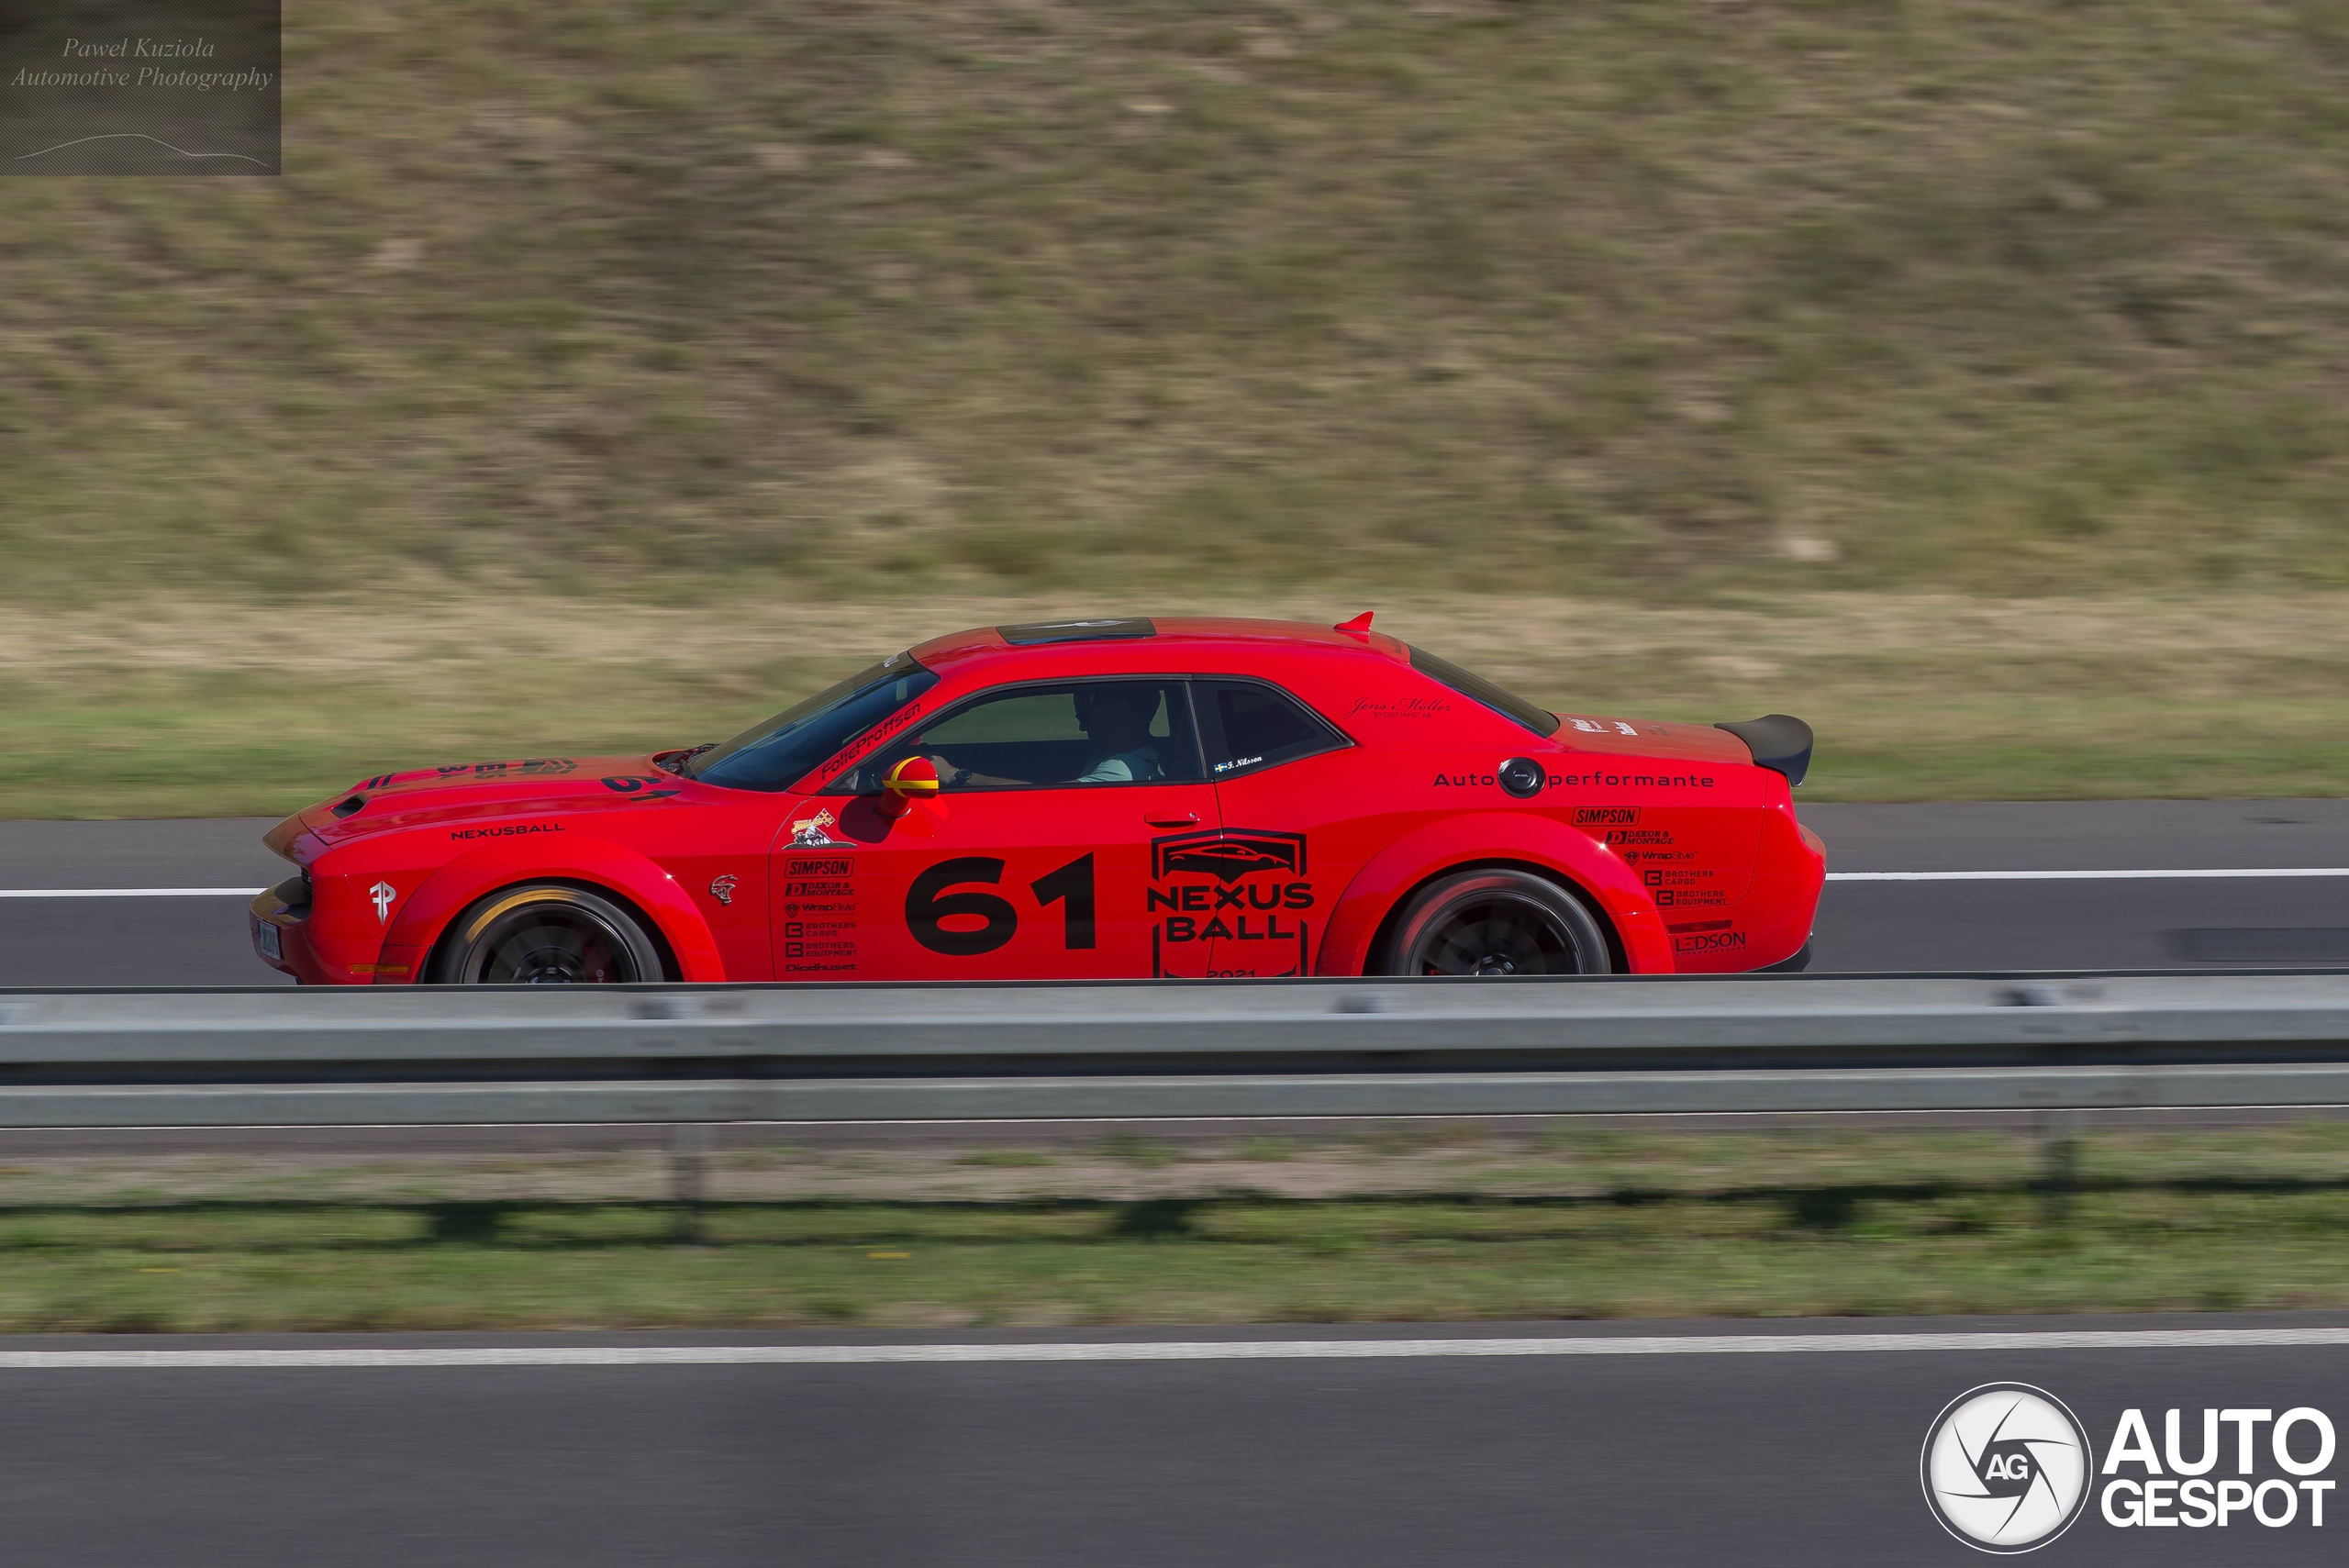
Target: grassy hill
[701,299]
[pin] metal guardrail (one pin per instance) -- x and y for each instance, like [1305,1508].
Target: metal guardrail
[690,1054]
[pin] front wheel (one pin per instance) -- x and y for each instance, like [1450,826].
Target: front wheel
[1495,922]
[546,934]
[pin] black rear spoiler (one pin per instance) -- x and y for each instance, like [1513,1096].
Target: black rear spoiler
[1779,742]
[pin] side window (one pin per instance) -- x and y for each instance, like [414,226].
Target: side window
[1247,725]
[1072,735]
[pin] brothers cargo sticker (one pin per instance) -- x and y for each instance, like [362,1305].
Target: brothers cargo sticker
[1672,887]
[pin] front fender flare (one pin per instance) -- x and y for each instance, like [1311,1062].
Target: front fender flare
[1488,835]
[444,894]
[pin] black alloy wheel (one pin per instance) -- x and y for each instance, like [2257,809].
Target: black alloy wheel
[1495,922]
[546,934]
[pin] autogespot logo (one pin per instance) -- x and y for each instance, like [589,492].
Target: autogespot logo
[2007,1467]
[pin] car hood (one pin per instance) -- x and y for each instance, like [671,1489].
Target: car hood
[517,787]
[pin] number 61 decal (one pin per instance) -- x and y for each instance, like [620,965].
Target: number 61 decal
[928,906]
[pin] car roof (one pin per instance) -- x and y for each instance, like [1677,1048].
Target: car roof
[1194,634]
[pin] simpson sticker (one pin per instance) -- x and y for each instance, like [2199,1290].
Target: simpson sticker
[808,865]
[1606,816]
[1235,888]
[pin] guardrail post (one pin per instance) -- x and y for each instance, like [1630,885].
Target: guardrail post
[2059,1162]
[688,1178]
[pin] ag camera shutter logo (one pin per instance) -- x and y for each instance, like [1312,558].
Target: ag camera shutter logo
[2006,1467]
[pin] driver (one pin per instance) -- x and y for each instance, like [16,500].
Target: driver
[1115,718]
[1118,721]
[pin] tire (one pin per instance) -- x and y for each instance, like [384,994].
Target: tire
[1495,922]
[546,934]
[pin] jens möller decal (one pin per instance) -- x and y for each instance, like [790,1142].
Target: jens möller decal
[2007,1467]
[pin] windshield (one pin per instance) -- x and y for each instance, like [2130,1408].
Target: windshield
[1509,704]
[786,748]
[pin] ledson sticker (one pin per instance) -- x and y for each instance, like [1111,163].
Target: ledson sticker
[139,87]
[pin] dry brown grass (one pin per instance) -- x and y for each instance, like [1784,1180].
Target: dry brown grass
[654,298]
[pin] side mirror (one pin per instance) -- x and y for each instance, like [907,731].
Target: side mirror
[913,779]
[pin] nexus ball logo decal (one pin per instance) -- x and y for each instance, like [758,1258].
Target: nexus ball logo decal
[2006,1467]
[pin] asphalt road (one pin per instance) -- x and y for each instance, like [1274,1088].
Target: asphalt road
[1863,926]
[1807,1459]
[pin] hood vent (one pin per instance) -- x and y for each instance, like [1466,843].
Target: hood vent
[350,807]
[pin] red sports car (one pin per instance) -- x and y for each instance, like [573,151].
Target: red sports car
[1101,799]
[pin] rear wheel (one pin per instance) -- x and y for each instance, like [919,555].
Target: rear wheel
[1495,922]
[546,934]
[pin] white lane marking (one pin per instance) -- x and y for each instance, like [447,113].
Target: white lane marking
[1174,1350]
[2078,875]
[129,892]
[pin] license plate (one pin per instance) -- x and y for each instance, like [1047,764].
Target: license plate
[266,938]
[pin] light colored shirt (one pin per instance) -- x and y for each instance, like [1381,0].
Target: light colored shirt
[1126,767]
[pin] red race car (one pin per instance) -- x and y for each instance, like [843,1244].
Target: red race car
[1102,799]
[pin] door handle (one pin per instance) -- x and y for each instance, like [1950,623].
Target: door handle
[1171,818]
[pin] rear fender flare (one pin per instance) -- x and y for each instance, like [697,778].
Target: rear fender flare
[1572,856]
[426,913]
